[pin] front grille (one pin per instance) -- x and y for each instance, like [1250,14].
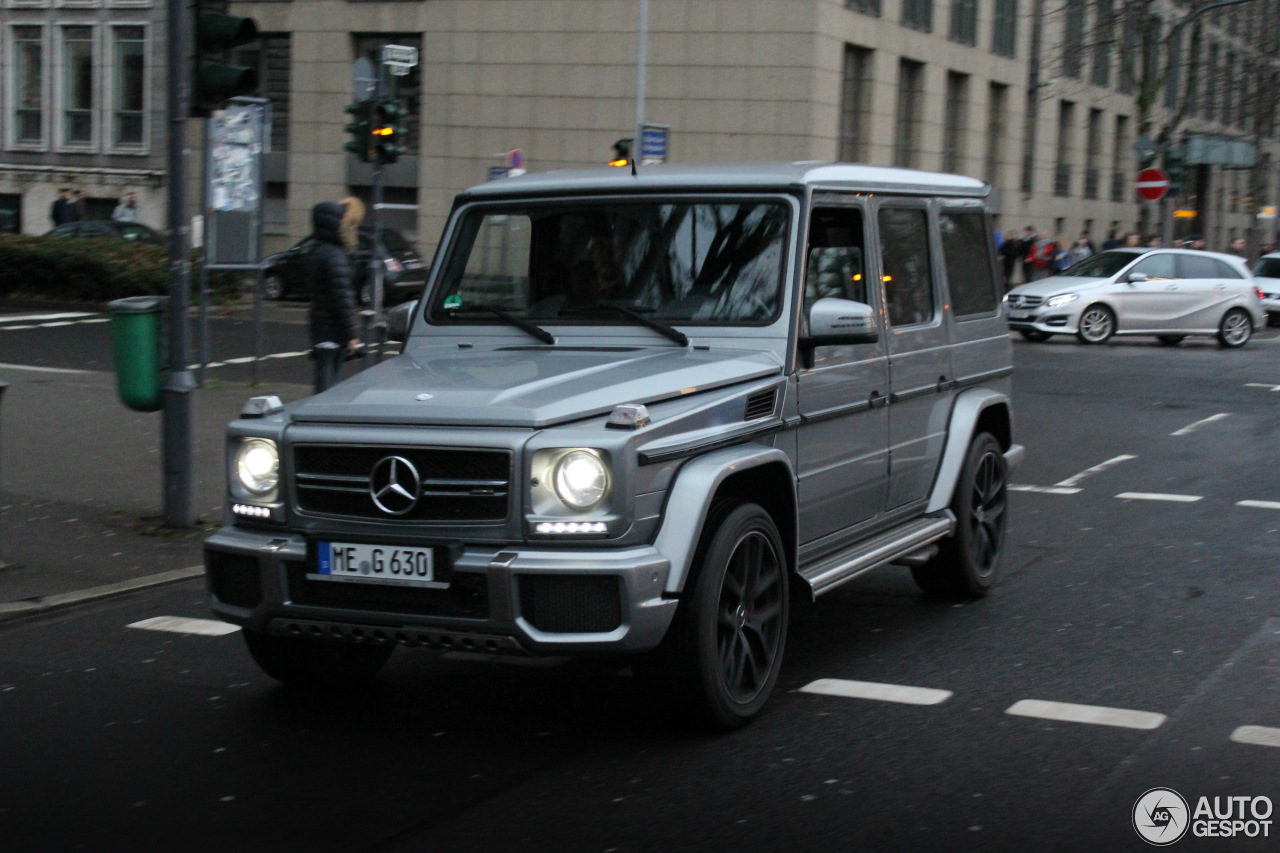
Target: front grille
[458,484]
[234,578]
[467,596]
[1025,301]
[571,604]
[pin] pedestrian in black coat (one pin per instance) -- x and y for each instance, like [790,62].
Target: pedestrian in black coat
[60,213]
[333,317]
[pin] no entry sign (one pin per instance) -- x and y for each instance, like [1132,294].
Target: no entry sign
[1152,184]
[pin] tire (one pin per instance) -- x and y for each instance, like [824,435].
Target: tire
[1097,324]
[1170,340]
[272,287]
[1235,329]
[721,657]
[1034,335]
[967,562]
[315,663]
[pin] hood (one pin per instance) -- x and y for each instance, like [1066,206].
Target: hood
[1056,284]
[521,386]
[326,221]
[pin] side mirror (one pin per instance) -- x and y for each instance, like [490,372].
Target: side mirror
[837,322]
[398,320]
[1135,277]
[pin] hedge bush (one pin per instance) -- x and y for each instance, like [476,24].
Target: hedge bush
[93,269]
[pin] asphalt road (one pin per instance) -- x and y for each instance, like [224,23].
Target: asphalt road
[1139,582]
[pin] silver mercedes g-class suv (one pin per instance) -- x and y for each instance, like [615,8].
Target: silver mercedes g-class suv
[633,414]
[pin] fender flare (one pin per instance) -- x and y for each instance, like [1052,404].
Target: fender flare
[965,412]
[689,502]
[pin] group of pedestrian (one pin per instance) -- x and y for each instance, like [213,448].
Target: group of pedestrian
[73,207]
[1039,254]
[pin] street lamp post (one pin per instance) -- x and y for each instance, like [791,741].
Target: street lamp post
[642,61]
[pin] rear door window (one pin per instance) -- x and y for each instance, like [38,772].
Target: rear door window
[1198,266]
[904,253]
[967,256]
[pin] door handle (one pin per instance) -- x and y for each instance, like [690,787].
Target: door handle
[878,400]
[944,384]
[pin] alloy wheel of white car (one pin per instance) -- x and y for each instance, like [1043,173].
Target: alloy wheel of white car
[1235,329]
[1097,324]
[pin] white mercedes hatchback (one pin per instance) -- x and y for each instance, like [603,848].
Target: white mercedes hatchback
[1168,293]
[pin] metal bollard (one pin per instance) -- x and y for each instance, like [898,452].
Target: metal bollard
[366,321]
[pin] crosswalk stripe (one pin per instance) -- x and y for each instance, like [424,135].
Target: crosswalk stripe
[179,625]
[1257,735]
[1098,715]
[882,692]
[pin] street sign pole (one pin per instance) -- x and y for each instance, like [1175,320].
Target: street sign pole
[178,445]
[375,263]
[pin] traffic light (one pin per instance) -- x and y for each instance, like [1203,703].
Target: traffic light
[213,78]
[1175,166]
[361,129]
[390,133]
[621,152]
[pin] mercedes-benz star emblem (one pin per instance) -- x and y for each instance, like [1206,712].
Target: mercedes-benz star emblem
[394,485]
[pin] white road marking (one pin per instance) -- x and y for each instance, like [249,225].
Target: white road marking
[1094,714]
[1260,504]
[248,359]
[1257,735]
[42,369]
[1096,469]
[882,692]
[28,318]
[1158,496]
[1044,490]
[1190,428]
[1262,385]
[179,625]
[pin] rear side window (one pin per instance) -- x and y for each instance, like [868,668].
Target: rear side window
[968,262]
[908,284]
[1197,266]
[1225,270]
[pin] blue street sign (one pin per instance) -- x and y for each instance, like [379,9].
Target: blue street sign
[653,143]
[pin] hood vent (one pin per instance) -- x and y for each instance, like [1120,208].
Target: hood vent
[760,404]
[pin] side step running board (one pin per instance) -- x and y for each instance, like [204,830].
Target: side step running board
[831,571]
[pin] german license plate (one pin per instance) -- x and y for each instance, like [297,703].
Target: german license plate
[1019,315]
[375,563]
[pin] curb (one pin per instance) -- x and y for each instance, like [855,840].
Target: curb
[48,603]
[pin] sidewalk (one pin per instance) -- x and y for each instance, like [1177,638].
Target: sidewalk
[81,488]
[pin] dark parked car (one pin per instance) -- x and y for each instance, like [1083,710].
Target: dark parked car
[131,231]
[285,273]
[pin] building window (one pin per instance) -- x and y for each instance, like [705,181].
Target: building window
[997,97]
[28,84]
[1093,147]
[1228,89]
[855,104]
[1062,169]
[1211,83]
[1118,171]
[866,7]
[77,85]
[129,94]
[964,21]
[271,55]
[407,88]
[955,122]
[1104,28]
[1073,40]
[918,14]
[906,150]
[1004,34]
[1128,53]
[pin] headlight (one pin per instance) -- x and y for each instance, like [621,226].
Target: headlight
[1061,299]
[580,479]
[258,466]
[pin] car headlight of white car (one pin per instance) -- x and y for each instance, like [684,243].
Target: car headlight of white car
[256,469]
[1061,299]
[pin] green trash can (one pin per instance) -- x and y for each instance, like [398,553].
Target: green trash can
[135,338]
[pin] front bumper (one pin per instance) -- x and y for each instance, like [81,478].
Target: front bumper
[1050,321]
[520,599]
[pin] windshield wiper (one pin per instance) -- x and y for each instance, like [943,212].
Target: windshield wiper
[510,319]
[658,326]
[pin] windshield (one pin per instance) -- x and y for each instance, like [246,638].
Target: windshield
[394,241]
[1267,268]
[576,262]
[1103,264]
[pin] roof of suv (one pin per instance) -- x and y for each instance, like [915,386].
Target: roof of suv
[739,176]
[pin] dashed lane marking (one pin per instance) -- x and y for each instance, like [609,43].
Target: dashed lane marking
[1190,428]
[179,625]
[1260,504]
[31,318]
[1092,714]
[41,369]
[1257,735]
[881,692]
[1158,496]
[1044,490]
[1096,469]
[1262,385]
